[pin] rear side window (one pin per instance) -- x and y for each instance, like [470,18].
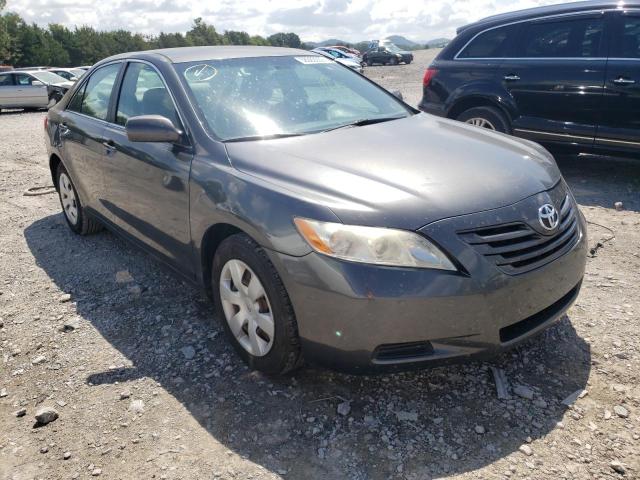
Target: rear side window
[144,93]
[627,44]
[578,37]
[490,44]
[97,93]
[5,80]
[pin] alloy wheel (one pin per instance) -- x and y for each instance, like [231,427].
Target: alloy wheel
[246,307]
[481,123]
[68,198]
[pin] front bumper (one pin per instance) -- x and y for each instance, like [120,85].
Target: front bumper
[361,318]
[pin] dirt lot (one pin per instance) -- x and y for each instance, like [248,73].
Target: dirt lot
[147,387]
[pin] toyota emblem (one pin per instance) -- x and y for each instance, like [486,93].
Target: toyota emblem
[548,216]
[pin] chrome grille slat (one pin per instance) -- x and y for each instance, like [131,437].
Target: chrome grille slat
[518,248]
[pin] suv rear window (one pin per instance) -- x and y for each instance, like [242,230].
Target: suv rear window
[490,44]
[627,45]
[579,37]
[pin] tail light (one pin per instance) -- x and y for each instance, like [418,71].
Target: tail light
[428,76]
[46,123]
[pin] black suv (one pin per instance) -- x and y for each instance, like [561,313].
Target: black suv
[567,76]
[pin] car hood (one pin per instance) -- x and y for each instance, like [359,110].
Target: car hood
[348,61]
[404,173]
[65,85]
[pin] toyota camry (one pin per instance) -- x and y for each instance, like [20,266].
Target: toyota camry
[330,222]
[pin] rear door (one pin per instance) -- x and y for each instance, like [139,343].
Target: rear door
[147,183]
[28,94]
[620,121]
[81,131]
[556,78]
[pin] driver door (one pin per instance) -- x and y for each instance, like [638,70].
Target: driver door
[146,183]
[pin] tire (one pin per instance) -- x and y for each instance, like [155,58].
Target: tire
[369,62]
[79,222]
[494,119]
[393,61]
[280,351]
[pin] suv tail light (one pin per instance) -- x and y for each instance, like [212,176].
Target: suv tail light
[428,76]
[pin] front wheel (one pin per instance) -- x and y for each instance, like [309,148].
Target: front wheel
[489,118]
[393,61]
[254,307]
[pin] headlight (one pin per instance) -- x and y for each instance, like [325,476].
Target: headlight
[380,246]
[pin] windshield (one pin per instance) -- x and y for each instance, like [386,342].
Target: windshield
[280,96]
[48,77]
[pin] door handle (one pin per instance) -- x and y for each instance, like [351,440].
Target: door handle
[511,78]
[110,146]
[624,81]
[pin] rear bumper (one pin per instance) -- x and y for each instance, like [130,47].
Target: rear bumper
[363,318]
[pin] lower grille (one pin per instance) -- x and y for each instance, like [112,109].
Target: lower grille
[512,332]
[517,248]
[398,352]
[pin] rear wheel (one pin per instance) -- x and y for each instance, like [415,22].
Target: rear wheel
[72,208]
[489,118]
[254,307]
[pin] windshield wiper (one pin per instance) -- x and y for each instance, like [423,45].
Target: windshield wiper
[362,122]
[263,137]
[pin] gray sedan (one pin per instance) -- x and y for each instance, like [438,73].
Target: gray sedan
[329,221]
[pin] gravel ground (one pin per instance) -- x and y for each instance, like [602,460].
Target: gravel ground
[146,386]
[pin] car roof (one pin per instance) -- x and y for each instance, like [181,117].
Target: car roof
[195,54]
[22,71]
[571,7]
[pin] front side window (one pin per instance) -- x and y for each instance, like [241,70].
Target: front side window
[490,44]
[249,97]
[627,44]
[23,79]
[144,93]
[562,38]
[97,94]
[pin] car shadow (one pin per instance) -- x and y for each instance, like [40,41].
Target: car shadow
[420,424]
[602,181]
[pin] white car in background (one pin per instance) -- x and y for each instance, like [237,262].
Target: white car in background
[350,62]
[31,89]
[71,74]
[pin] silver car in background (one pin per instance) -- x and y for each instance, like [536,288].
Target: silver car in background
[31,89]
[71,74]
[351,62]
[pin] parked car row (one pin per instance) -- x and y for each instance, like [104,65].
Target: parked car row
[565,76]
[36,87]
[31,89]
[330,222]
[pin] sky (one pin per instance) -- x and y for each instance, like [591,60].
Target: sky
[312,20]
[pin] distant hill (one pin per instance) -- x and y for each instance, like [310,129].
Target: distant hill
[328,43]
[401,41]
[437,42]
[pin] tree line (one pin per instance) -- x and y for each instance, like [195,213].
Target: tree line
[23,44]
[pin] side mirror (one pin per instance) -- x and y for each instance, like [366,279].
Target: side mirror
[37,83]
[397,94]
[151,128]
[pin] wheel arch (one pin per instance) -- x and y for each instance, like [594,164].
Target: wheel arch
[211,240]
[54,161]
[465,103]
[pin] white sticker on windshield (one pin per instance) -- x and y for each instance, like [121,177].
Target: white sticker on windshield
[311,59]
[200,73]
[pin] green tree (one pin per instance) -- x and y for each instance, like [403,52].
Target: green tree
[285,40]
[203,34]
